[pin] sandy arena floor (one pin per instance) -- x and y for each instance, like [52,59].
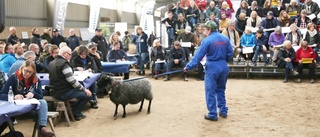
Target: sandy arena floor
[257,108]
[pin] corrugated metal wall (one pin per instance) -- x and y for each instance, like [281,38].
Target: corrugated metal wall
[77,16]
[26,13]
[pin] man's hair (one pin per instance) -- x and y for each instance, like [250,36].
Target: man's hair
[52,48]
[11,28]
[5,48]
[63,44]
[231,22]
[33,29]
[287,42]
[82,49]
[126,32]
[63,50]
[15,47]
[28,54]
[31,46]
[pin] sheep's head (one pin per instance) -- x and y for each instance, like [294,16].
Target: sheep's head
[105,82]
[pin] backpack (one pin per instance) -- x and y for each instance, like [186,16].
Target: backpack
[2,78]
[13,134]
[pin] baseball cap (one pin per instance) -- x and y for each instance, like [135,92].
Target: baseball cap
[210,24]
[270,13]
[98,29]
[55,30]
[188,29]
[47,29]
[92,45]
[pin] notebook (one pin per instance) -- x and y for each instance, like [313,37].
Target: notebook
[306,60]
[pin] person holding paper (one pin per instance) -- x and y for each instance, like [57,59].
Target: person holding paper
[276,40]
[247,42]
[26,85]
[294,9]
[311,8]
[218,51]
[254,21]
[303,20]
[294,37]
[286,60]
[181,24]
[158,54]
[118,55]
[187,36]
[262,41]
[312,36]
[306,58]
[268,24]
[65,86]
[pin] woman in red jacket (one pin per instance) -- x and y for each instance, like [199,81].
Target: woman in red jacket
[302,53]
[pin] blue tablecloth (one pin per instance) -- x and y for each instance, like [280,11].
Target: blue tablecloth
[44,78]
[8,110]
[117,67]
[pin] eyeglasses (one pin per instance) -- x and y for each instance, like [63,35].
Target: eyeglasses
[25,71]
[68,53]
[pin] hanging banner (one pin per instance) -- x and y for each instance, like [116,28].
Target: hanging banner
[60,10]
[94,16]
[146,20]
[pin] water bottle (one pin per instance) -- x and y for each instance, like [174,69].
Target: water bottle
[10,95]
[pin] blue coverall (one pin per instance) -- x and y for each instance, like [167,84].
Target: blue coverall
[218,51]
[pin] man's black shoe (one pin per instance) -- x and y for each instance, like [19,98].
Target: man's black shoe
[223,116]
[211,119]
[78,118]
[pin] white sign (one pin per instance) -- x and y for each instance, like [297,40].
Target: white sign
[247,50]
[25,35]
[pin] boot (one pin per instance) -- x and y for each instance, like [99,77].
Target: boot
[143,72]
[167,78]
[44,133]
[185,77]
[93,104]
[140,73]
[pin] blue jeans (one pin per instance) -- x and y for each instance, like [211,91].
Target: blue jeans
[193,21]
[181,64]
[42,112]
[315,49]
[83,99]
[159,65]
[170,32]
[256,54]
[142,59]
[289,68]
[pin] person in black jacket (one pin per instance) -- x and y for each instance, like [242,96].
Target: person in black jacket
[35,38]
[96,55]
[241,23]
[103,45]
[244,8]
[141,40]
[83,62]
[73,40]
[193,14]
[313,38]
[57,38]
[311,8]
[46,34]
[158,53]
[286,59]
[262,41]
[118,55]
[12,39]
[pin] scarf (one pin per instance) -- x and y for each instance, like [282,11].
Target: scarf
[312,33]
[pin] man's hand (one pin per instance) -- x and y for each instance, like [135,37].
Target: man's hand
[300,61]
[185,69]
[30,95]
[88,92]
[18,97]
[89,70]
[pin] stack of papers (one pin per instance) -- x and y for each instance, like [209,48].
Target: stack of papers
[160,61]
[82,75]
[27,101]
[186,44]
[306,60]
[247,50]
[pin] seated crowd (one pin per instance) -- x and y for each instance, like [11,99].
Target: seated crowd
[260,27]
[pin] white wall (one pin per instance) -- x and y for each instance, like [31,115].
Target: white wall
[108,4]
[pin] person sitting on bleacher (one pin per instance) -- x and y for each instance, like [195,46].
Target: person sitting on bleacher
[25,84]
[254,21]
[158,53]
[214,18]
[269,23]
[181,24]
[187,36]
[176,58]
[276,39]
[284,19]
[312,37]
[303,20]
[262,41]
[53,51]
[118,55]
[248,40]
[212,9]
[223,22]
[294,37]
[258,9]
[234,38]
[306,57]
[286,60]
[293,9]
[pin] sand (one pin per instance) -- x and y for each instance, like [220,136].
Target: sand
[257,108]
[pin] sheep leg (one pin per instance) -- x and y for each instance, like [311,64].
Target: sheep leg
[149,107]
[116,111]
[141,105]
[124,111]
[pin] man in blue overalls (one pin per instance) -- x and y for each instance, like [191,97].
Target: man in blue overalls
[218,51]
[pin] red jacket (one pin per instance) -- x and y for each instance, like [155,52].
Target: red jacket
[201,4]
[309,53]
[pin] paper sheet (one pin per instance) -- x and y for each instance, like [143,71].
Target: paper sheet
[82,75]
[160,61]
[311,16]
[247,50]
[26,101]
[306,60]
[186,44]
[285,29]
[271,29]
[295,48]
